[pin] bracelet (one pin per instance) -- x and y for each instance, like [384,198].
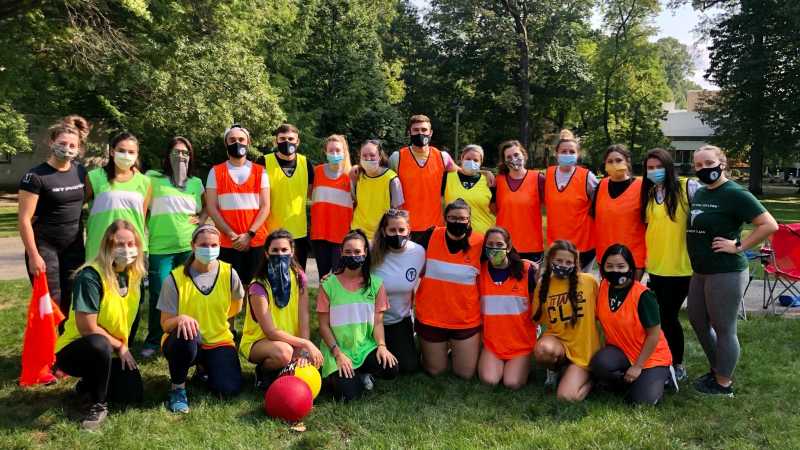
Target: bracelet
[381,345]
[333,348]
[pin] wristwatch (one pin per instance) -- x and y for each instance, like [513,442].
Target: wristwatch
[251,233]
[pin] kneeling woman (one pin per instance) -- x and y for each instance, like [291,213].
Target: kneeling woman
[105,300]
[566,301]
[196,301]
[509,335]
[276,326]
[636,354]
[350,307]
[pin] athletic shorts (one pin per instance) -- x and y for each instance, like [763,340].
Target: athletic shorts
[435,334]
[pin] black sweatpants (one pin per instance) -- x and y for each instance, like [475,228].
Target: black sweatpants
[326,254]
[346,389]
[91,358]
[671,292]
[63,252]
[220,363]
[609,365]
[245,263]
[400,341]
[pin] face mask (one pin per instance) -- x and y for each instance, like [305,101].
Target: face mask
[124,160]
[617,278]
[562,271]
[565,160]
[397,241]
[709,175]
[287,148]
[206,254]
[352,262]
[63,152]
[180,169]
[457,229]
[657,175]
[497,256]
[124,256]
[237,149]
[279,278]
[516,162]
[420,140]
[616,170]
[370,166]
[334,159]
[470,166]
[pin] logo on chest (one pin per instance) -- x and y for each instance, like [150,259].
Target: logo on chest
[411,274]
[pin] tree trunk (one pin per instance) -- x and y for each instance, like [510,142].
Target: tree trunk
[756,165]
[606,100]
[524,88]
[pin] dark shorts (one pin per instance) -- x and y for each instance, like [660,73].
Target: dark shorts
[435,334]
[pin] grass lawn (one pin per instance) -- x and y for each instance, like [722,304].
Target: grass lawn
[8,221]
[420,412]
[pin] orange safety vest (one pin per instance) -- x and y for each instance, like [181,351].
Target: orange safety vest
[239,203]
[331,206]
[508,330]
[568,210]
[618,221]
[520,212]
[422,186]
[448,292]
[624,330]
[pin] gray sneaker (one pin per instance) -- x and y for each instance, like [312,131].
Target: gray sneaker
[95,416]
[680,372]
[368,381]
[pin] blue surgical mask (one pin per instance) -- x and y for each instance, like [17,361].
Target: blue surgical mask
[567,160]
[657,175]
[334,158]
[206,254]
[470,166]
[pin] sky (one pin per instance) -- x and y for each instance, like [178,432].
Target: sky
[678,23]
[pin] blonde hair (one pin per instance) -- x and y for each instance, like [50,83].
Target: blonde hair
[472,148]
[105,255]
[717,151]
[566,136]
[346,163]
[72,124]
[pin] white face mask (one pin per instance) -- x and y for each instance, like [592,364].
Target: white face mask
[124,160]
[125,256]
[370,166]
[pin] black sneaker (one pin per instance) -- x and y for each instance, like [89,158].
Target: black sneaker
[264,378]
[95,416]
[711,387]
[703,379]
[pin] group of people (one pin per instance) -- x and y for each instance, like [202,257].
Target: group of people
[426,262]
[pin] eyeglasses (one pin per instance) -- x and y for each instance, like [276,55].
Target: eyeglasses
[180,152]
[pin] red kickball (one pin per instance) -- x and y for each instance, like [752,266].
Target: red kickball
[288,398]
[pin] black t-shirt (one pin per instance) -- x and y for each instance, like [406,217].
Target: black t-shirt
[289,166]
[60,193]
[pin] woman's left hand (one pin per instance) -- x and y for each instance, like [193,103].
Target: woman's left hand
[385,357]
[194,220]
[722,245]
[632,373]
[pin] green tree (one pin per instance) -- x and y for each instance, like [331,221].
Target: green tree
[678,68]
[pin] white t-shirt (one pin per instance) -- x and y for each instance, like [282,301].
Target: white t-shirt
[400,273]
[239,174]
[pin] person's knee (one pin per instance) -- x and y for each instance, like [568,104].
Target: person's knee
[514,383]
[488,376]
[226,386]
[464,372]
[570,395]
[434,370]
[99,345]
[283,354]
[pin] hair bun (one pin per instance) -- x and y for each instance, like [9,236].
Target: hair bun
[79,123]
[566,135]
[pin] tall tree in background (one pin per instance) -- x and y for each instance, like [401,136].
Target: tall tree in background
[678,68]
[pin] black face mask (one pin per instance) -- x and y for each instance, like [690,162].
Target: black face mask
[420,140]
[287,148]
[397,241]
[562,271]
[352,262]
[618,278]
[457,229]
[237,149]
[708,175]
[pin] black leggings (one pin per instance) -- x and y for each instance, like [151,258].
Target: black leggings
[400,341]
[61,255]
[220,363]
[609,365]
[326,254]
[91,359]
[671,292]
[346,389]
[245,263]
[301,248]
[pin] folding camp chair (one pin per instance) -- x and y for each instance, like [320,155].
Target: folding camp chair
[782,273]
[756,259]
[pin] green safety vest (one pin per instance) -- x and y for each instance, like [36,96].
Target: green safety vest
[168,227]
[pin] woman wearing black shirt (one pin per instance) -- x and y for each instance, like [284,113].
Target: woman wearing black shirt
[50,202]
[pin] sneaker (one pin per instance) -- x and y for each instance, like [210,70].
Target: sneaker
[551,379]
[671,383]
[368,381]
[147,352]
[177,401]
[680,372]
[264,378]
[95,416]
[711,387]
[703,379]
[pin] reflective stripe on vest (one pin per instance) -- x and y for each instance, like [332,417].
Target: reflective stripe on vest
[331,206]
[502,305]
[324,194]
[508,330]
[111,200]
[239,203]
[351,313]
[422,188]
[568,210]
[618,221]
[450,272]
[173,204]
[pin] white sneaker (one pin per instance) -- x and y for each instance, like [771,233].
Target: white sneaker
[551,379]
[671,383]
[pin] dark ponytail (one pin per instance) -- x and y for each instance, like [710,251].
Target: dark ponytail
[358,234]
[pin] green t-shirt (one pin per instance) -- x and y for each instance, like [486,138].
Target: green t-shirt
[87,290]
[719,212]
[649,314]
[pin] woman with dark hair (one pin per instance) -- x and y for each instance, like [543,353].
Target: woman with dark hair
[50,203]
[617,207]
[566,299]
[117,191]
[276,323]
[665,210]
[636,355]
[375,187]
[175,210]
[398,261]
[350,307]
[506,285]
[447,303]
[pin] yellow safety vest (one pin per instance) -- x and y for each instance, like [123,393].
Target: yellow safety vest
[477,197]
[666,239]
[287,196]
[285,319]
[209,310]
[373,198]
